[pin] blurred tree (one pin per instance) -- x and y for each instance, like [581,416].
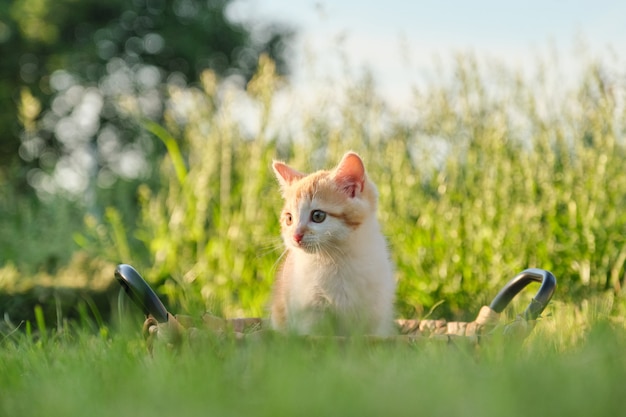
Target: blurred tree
[70,70]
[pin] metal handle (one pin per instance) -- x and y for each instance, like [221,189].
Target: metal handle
[141,293]
[518,283]
[146,299]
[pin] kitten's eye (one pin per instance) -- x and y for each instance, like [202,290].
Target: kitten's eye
[318,216]
[288,219]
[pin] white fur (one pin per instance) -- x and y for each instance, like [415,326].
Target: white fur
[354,278]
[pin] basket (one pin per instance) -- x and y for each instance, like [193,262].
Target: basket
[161,325]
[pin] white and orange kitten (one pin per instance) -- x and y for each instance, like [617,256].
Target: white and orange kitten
[336,276]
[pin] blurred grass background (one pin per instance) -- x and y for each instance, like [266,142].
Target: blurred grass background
[494,173]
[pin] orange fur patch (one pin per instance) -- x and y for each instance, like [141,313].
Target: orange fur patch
[322,187]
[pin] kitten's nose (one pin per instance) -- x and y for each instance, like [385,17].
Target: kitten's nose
[297,237]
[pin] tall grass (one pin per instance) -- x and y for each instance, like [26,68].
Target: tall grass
[494,173]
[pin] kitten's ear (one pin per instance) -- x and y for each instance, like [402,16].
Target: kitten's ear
[350,174]
[285,174]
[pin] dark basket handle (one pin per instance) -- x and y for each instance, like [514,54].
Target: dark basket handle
[518,283]
[140,292]
[146,299]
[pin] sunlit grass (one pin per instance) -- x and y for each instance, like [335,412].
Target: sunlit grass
[571,365]
[493,174]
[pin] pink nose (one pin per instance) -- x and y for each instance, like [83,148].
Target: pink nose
[297,237]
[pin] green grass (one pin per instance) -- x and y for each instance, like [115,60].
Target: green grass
[532,177]
[563,368]
[493,173]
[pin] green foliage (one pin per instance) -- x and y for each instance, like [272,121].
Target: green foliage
[494,174]
[35,235]
[268,376]
[520,187]
[84,65]
[207,226]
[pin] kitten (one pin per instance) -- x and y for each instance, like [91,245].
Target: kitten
[337,276]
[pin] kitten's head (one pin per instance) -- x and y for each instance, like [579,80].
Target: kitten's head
[323,208]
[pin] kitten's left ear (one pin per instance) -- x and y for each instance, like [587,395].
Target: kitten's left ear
[285,174]
[350,174]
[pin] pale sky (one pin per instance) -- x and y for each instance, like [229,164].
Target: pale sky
[397,40]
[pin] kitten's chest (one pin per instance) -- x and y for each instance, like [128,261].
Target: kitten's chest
[328,284]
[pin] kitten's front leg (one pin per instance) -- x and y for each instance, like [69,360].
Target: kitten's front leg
[316,318]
